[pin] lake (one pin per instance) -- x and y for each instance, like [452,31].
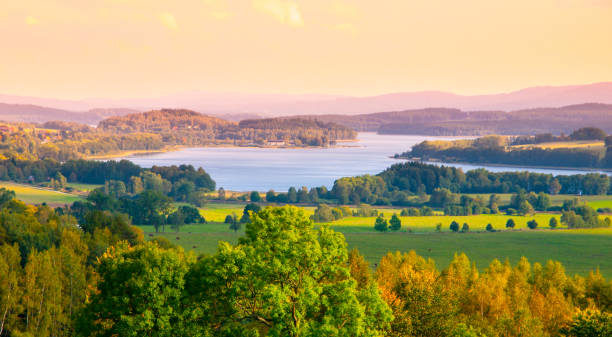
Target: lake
[262,169]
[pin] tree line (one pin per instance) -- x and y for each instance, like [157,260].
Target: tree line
[420,184]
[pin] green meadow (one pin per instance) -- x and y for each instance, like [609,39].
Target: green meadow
[580,251]
[35,195]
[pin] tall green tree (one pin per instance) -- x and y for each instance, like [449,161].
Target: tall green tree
[10,287]
[284,278]
[395,223]
[148,301]
[381,224]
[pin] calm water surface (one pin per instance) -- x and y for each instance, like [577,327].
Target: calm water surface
[261,169]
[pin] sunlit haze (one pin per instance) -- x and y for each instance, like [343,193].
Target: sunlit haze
[136,48]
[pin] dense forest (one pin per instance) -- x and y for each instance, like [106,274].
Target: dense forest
[283,278]
[413,183]
[503,150]
[455,122]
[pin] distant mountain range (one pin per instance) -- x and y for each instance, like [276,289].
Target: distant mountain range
[527,111]
[39,114]
[281,104]
[456,122]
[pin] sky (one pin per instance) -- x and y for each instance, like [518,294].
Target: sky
[76,49]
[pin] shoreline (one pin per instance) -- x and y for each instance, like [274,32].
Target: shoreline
[128,153]
[172,148]
[561,168]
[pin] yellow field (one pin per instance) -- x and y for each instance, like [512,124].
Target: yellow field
[563,145]
[428,223]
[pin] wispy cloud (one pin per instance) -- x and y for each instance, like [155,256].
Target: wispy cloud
[30,20]
[168,20]
[285,11]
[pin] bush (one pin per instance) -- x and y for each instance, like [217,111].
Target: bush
[248,209]
[490,228]
[410,212]
[365,211]
[395,223]
[426,211]
[231,218]
[454,226]
[192,214]
[510,223]
[438,227]
[532,224]
[255,197]
[381,224]
[465,227]
[553,223]
[324,213]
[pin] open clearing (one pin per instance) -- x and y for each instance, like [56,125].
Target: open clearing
[564,145]
[35,195]
[580,251]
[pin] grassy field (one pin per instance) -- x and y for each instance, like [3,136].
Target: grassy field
[424,224]
[83,187]
[564,145]
[34,195]
[217,212]
[579,251]
[600,204]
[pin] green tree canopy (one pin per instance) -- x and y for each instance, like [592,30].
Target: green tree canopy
[148,300]
[283,279]
[395,223]
[381,224]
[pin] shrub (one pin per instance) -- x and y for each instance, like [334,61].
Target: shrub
[381,224]
[395,223]
[553,223]
[255,197]
[365,211]
[454,226]
[510,223]
[490,228]
[465,227]
[532,224]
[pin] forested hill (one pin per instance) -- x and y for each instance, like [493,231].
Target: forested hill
[163,120]
[453,122]
[185,127]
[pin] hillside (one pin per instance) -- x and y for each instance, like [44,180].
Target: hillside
[40,114]
[163,120]
[185,127]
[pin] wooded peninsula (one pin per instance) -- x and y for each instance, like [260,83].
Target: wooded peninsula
[158,130]
[584,148]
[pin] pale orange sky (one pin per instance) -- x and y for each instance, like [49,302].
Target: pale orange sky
[134,48]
